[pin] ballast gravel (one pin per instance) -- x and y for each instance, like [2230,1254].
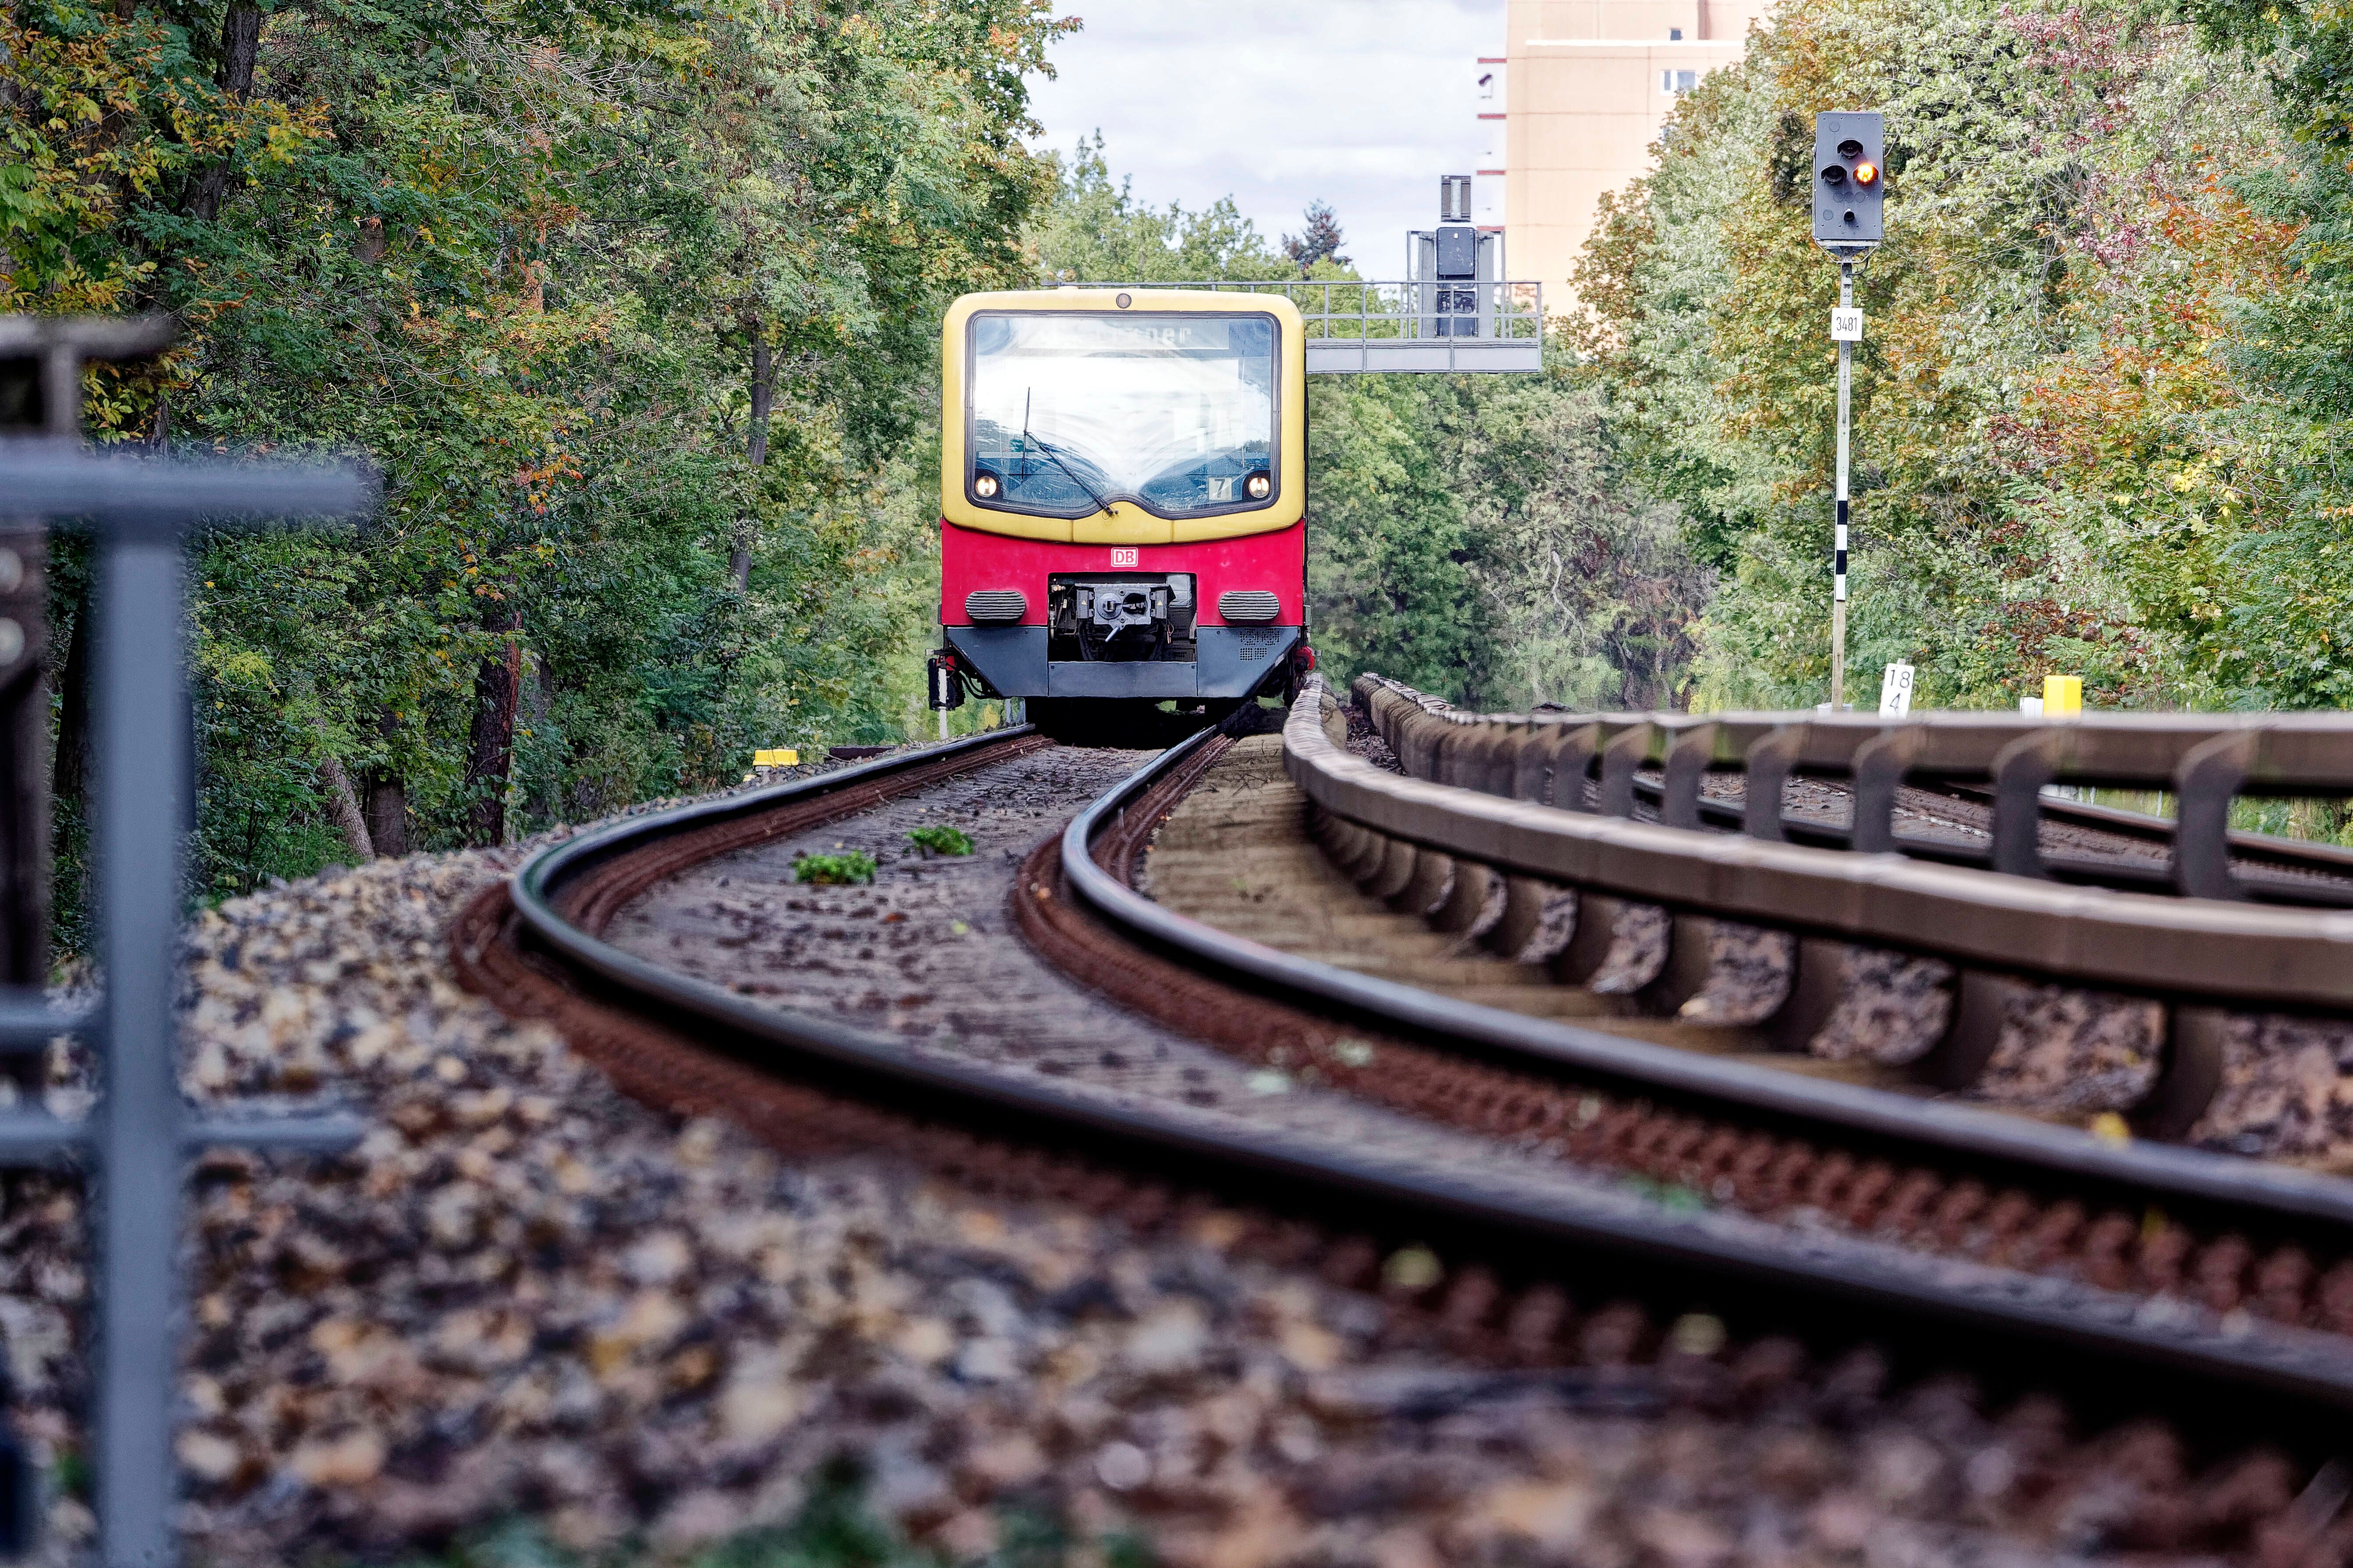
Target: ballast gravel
[525,1295]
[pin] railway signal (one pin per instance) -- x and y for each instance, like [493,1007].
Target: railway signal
[1850,179]
[1455,267]
[1849,221]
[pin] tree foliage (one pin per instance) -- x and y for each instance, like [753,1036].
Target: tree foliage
[1319,240]
[2106,376]
[633,302]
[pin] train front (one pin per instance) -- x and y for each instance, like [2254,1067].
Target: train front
[1123,491]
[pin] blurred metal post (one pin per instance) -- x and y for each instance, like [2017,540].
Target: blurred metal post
[140,1134]
[41,362]
[139,768]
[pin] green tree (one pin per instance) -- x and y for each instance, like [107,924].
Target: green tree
[2064,455]
[633,302]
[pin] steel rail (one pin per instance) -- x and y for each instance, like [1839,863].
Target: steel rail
[2329,861]
[1229,1154]
[2020,1148]
[2269,847]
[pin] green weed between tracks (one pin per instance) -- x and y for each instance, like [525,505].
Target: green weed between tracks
[834,870]
[939,840]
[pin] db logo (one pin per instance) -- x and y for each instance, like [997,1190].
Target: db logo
[1122,557]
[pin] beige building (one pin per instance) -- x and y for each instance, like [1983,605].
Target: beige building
[1583,88]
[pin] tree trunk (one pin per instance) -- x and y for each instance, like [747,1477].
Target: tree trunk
[240,46]
[498,681]
[24,762]
[386,809]
[755,445]
[763,401]
[343,805]
[71,766]
[538,695]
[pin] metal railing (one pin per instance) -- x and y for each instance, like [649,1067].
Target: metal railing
[1529,804]
[137,1140]
[2205,760]
[1377,325]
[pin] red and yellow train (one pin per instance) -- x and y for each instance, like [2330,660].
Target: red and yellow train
[1122,503]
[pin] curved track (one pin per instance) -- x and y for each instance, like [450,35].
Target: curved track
[2274,1239]
[535,948]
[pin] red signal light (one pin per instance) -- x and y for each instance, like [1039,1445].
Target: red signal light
[1866,173]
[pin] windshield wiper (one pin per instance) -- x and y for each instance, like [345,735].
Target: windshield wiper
[1101,505]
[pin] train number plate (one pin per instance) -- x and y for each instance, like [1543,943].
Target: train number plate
[1122,558]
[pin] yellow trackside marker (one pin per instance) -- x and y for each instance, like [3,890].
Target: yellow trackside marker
[2061,694]
[776,757]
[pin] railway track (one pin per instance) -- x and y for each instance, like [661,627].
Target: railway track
[2074,1259]
[2256,1248]
[2232,974]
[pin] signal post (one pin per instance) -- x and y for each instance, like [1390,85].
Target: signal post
[1850,222]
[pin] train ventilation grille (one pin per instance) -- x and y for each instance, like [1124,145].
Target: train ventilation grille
[996,605]
[1249,605]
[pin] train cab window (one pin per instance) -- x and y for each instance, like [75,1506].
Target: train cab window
[1074,412]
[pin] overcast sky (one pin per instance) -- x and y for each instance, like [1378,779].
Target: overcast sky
[1362,103]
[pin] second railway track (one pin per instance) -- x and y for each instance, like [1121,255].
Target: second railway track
[1777,1203]
[2175,1252]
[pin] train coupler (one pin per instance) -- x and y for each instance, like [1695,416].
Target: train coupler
[946,679]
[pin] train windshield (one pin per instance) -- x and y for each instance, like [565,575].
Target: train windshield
[1073,411]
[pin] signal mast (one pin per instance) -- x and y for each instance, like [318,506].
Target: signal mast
[1850,223]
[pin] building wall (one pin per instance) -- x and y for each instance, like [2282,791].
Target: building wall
[1586,85]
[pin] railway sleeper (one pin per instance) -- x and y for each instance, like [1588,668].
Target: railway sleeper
[1672,965]
[1425,892]
[1468,892]
[1394,872]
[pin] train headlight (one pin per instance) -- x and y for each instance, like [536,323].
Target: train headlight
[984,485]
[1258,487]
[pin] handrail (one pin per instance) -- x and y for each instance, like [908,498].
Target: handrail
[2162,946]
[2204,758]
[1495,816]
[2291,752]
[139,512]
[1382,309]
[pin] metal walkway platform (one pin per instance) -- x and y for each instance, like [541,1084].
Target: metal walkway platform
[1410,327]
